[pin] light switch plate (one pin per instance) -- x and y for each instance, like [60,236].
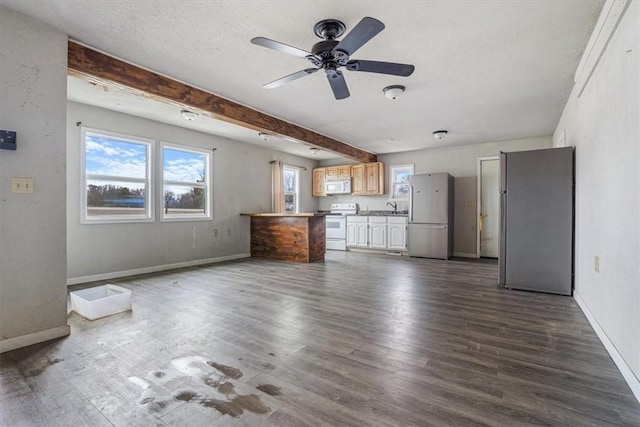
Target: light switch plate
[22,185]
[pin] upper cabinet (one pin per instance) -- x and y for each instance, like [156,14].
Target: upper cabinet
[339,171]
[368,179]
[319,176]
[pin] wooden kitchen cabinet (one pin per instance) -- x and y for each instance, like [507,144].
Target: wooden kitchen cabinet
[343,171]
[368,178]
[319,176]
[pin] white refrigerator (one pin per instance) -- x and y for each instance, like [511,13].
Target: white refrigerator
[430,233]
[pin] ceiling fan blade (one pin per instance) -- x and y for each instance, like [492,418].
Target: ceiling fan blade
[272,44]
[290,78]
[364,31]
[392,68]
[338,85]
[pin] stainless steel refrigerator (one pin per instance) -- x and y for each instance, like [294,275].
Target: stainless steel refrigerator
[430,233]
[536,231]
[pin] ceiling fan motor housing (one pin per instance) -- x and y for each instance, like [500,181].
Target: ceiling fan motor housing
[329,29]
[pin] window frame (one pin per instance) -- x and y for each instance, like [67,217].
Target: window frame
[206,184]
[296,192]
[392,174]
[149,144]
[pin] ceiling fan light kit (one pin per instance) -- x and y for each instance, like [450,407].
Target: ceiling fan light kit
[440,134]
[330,54]
[394,91]
[189,115]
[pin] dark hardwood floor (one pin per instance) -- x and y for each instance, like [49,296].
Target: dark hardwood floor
[357,340]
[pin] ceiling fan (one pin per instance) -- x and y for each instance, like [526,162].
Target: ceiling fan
[330,54]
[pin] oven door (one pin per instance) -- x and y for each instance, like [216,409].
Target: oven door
[336,232]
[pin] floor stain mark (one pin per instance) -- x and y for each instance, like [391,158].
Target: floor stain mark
[159,374]
[54,361]
[268,366]
[154,405]
[226,388]
[270,389]
[271,354]
[186,395]
[229,371]
[234,407]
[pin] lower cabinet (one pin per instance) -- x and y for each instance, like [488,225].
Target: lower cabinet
[377,232]
[357,231]
[397,234]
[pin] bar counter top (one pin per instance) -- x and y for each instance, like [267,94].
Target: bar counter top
[280,214]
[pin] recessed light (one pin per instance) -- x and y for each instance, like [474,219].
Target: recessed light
[314,150]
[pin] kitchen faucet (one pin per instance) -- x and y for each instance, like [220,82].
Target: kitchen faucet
[394,205]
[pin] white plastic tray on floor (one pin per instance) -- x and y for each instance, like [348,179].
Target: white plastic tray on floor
[100,301]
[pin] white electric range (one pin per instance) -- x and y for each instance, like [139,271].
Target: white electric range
[336,223]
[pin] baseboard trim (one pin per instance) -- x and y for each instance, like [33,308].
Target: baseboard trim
[625,370]
[154,269]
[34,338]
[465,255]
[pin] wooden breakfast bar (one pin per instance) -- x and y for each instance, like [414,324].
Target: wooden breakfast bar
[288,237]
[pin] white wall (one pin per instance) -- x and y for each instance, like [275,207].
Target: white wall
[241,183]
[33,66]
[604,126]
[459,161]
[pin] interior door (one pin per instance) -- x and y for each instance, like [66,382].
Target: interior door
[488,222]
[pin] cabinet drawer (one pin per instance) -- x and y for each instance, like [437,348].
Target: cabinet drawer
[396,220]
[355,218]
[378,219]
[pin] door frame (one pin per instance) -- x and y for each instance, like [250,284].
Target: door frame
[479,197]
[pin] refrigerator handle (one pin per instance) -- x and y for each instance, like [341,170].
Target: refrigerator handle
[410,203]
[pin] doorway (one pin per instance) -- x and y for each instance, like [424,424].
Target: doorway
[488,207]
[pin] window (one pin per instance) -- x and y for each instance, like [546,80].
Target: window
[116,175]
[186,190]
[399,184]
[290,182]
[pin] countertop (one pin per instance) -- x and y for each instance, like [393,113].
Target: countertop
[280,214]
[383,213]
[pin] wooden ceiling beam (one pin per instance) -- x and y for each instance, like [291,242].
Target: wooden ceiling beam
[100,68]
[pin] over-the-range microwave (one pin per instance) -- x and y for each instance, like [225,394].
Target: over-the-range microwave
[338,186]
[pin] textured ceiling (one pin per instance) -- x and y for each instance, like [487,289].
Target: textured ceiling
[485,70]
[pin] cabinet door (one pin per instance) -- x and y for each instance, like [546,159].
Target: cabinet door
[318,182]
[332,172]
[362,234]
[371,177]
[358,185]
[344,171]
[351,234]
[378,236]
[398,236]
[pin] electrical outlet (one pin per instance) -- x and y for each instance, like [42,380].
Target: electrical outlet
[228,232]
[596,263]
[22,185]
[215,232]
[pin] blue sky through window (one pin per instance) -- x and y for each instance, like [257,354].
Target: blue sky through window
[183,166]
[114,157]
